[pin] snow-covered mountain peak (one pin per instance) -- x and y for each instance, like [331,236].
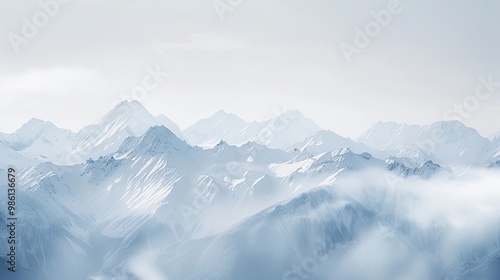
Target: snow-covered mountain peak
[34,128]
[222,146]
[149,189]
[134,115]
[37,140]
[344,154]
[253,145]
[388,126]
[406,167]
[221,114]
[449,143]
[454,131]
[163,136]
[36,124]
[166,122]
[156,140]
[286,130]
[128,115]
[323,141]
[127,119]
[221,143]
[328,141]
[220,126]
[389,135]
[341,159]
[128,107]
[297,118]
[160,132]
[279,132]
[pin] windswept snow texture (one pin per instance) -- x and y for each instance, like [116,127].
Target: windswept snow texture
[134,197]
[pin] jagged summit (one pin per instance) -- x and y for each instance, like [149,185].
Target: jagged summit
[454,130]
[133,104]
[279,132]
[156,140]
[36,127]
[445,142]
[36,123]
[394,130]
[166,122]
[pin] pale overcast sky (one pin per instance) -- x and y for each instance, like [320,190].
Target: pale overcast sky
[263,57]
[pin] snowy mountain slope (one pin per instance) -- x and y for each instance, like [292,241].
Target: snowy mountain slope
[328,141]
[162,120]
[269,245]
[145,164]
[447,143]
[325,168]
[172,171]
[83,208]
[11,158]
[219,127]
[317,235]
[149,177]
[261,154]
[278,133]
[51,230]
[50,145]
[407,167]
[156,140]
[390,136]
[34,130]
[125,120]
[324,141]
[458,144]
[493,150]
[285,130]
[138,177]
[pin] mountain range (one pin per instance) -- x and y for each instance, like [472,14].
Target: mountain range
[445,142]
[134,197]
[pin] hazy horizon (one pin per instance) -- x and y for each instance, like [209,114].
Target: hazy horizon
[253,59]
[225,111]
